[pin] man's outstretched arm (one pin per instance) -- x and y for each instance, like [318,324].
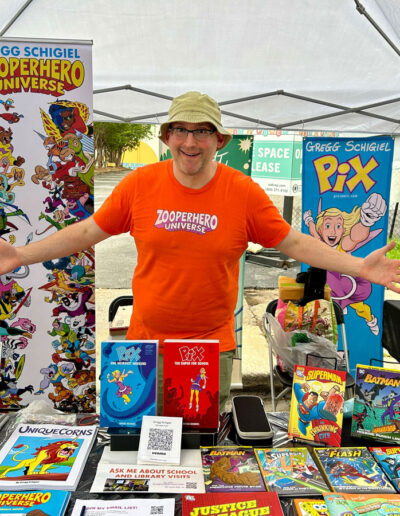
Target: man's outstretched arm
[69,240]
[376,267]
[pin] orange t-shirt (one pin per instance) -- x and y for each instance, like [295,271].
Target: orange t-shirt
[189,243]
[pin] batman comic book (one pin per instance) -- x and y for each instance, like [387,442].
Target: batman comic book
[376,412]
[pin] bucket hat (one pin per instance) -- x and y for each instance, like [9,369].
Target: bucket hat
[194,107]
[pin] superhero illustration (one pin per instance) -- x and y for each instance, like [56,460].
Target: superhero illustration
[352,470]
[290,471]
[198,384]
[124,391]
[347,232]
[376,410]
[128,382]
[316,410]
[389,460]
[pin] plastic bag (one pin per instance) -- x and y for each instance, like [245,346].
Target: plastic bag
[301,347]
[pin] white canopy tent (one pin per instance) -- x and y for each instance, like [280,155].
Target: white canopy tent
[283,64]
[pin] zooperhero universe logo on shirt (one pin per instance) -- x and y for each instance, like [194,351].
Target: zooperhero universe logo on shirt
[199,223]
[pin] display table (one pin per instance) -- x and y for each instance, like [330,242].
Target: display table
[226,436]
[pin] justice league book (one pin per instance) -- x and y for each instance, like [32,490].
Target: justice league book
[231,504]
[45,456]
[307,507]
[290,472]
[376,413]
[348,504]
[230,469]
[191,383]
[316,409]
[42,503]
[128,382]
[388,459]
[352,470]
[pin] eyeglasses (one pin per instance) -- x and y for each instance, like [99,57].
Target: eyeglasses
[181,133]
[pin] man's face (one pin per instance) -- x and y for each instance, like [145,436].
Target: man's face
[191,156]
[67,118]
[332,230]
[311,400]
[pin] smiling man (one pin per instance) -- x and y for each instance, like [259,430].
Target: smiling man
[191,219]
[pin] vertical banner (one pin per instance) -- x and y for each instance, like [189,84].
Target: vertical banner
[346,186]
[47,316]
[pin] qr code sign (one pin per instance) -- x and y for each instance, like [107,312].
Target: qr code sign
[156,509]
[160,439]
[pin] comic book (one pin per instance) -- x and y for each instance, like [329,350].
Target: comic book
[228,469]
[352,470]
[349,504]
[45,456]
[191,382]
[128,382]
[231,504]
[388,459]
[376,412]
[307,507]
[290,472]
[316,409]
[52,503]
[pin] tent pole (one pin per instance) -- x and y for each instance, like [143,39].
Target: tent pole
[361,9]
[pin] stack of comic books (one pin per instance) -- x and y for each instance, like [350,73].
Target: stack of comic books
[388,459]
[376,412]
[52,503]
[45,456]
[231,504]
[316,409]
[352,470]
[230,469]
[128,382]
[344,504]
[191,383]
[290,472]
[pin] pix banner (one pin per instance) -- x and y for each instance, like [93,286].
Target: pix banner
[346,187]
[47,317]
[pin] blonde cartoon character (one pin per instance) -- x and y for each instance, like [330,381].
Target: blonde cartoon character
[123,390]
[347,232]
[196,387]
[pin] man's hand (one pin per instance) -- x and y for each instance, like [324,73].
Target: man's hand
[9,257]
[377,268]
[372,210]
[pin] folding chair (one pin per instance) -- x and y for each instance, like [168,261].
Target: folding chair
[286,378]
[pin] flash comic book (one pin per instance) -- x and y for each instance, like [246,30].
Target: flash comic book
[228,469]
[388,459]
[348,504]
[290,472]
[352,470]
[305,507]
[376,412]
[316,409]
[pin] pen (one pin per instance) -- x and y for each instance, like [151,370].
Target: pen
[83,510]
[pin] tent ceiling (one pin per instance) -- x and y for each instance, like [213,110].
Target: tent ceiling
[314,49]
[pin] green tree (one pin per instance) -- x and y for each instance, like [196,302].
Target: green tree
[111,140]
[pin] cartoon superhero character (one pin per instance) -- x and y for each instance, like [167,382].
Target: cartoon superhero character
[309,408]
[123,390]
[197,384]
[348,232]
